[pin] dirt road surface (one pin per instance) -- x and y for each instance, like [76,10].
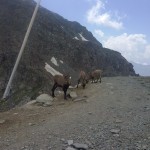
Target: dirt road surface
[114,116]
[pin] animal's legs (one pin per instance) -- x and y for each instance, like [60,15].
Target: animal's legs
[53,89]
[65,87]
[78,82]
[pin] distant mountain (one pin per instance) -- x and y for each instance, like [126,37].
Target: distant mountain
[142,70]
[54,45]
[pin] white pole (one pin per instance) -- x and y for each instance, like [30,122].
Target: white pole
[7,90]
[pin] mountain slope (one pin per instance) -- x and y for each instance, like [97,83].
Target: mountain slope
[51,36]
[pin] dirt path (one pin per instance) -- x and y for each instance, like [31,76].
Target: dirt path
[115,116]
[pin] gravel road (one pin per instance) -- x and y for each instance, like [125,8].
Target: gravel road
[114,116]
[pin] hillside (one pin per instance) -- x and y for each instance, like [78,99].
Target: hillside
[71,45]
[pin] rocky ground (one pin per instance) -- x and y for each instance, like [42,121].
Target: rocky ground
[113,115]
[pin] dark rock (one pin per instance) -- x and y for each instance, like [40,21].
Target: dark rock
[80,146]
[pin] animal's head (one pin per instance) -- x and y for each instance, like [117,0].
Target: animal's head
[67,78]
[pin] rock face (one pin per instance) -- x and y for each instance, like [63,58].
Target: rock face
[54,42]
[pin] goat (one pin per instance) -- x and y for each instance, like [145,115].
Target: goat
[82,79]
[87,78]
[61,81]
[96,75]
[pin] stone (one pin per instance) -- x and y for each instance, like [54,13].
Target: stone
[73,94]
[80,99]
[62,139]
[15,113]
[31,124]
[70,142]
[80,146]
[2,121]
[90,113]
[115,131]
[144,147]
[70,148]
[47,104]
[116,135]
[118,121]
[72,87]
[44,98]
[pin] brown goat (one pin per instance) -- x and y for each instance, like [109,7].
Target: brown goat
[82,79]
[96,75]
[61,81]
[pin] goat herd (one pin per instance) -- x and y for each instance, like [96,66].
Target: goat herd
[64,81]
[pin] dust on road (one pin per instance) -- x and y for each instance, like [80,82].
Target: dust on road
[115,115]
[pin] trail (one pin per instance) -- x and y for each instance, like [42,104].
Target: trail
[115,116]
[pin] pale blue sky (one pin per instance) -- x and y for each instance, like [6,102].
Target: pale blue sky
[122,25]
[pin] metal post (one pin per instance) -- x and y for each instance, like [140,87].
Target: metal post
[7,90]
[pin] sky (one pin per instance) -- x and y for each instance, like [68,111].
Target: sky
[121,25]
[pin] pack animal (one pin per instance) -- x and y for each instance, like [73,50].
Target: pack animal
[61,81]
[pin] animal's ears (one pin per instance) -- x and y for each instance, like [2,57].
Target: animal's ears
[67,76]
